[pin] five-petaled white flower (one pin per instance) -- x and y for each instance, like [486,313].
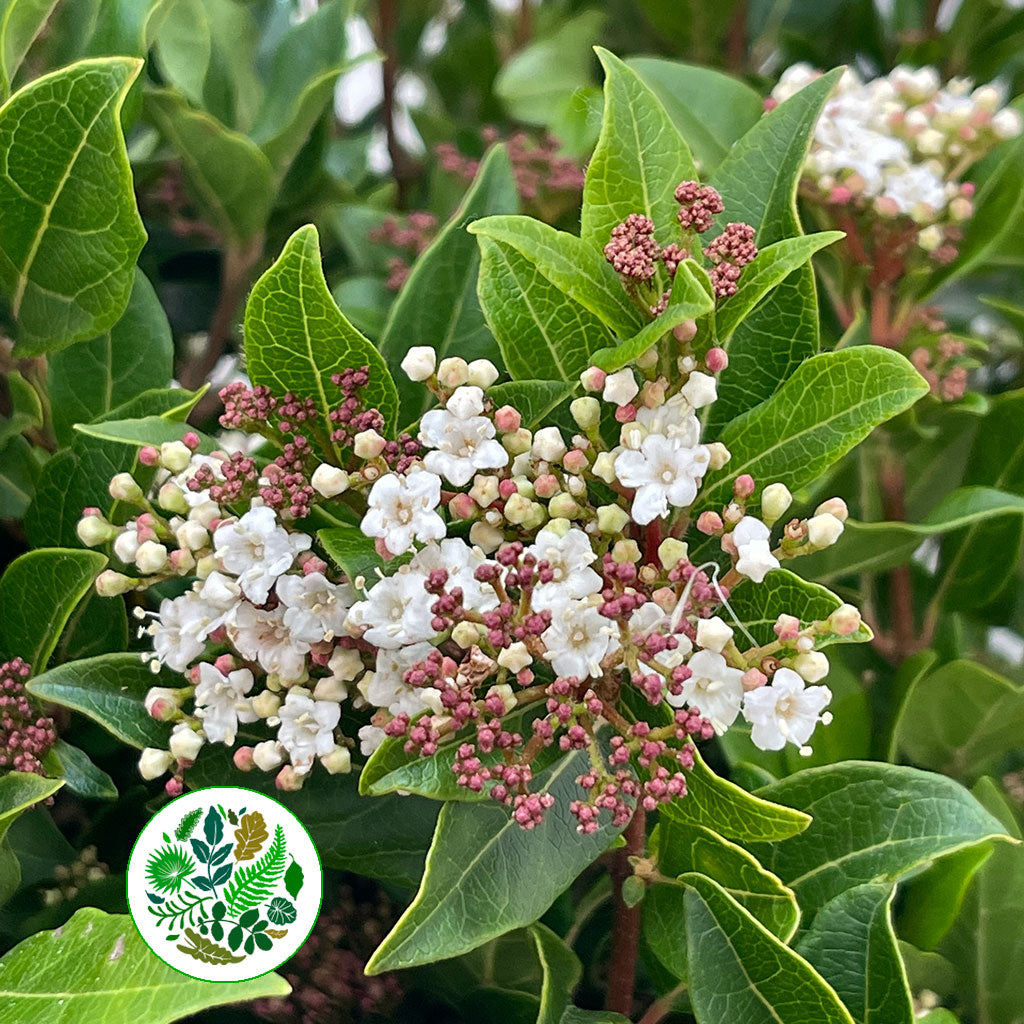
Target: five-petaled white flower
[569,556]
[261,635]
[403,509]
[577,639]
[257,550]
[663,472]
[385,687]
[180,629]
[460,561]
[396,612]
[462,440]
[714,688]
[315,608]
[221,702]
[785,711]
[307,728]
[751,536]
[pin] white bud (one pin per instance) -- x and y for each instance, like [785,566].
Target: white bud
[466,401]
[93,530]
[930,142]
[111,584]
[151,557]
[124,488]
[515,657]
[719,455]
[453,372]
[266,704]
[810,666]
[419,362]
[175,456]
[775,502]
[482,372]
[267,755]
[172,497]
[713,633]
[329,481]
[930,238]
[836,506]
[330,688]
[205,513]
[154,762]
[192,536]
[185,742]
[484,490]
[466,634]
[345,663]
[548,445]
[1006,124]
[586,412]
[824,530]
[700,389]
[127,544]
[987,98]
[621,387]
[486,537]
[368,444]
[338,761]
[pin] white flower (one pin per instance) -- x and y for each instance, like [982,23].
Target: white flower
[577,639]
[402,509]
[700,389]
[714,688]
[649,619]
[785,711]
[181,627]
[396,612]
[460,561]
[570,557]
[462,439]
[261,635]
[307,729]
[257,550]
[674,419]
[713,633]
[385,687]
[370,738]
[221,591]
[751,536]
[315,608]
[663,472]
[419,362]
[621,387]
[221,702]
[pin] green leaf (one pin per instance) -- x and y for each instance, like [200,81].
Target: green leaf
[758,180]
[562,972]
[19,470]
[710,110]
[75,767]
[296,337]
[438,304]
[71,231]
[570,264]
[293,879]
[770,268]
[38,592]
[178,32]
[539,329]
[732,812]
[872,547]
[535,399]
[831,403]
[253,884]
[111,690]
[987,941]
[486,875]
[988,723]
[759,605]
[18,792]
[152,430]
[20,22]
[230,177]
[871,822]
[26,408]
[741,973]
[90,378]
[96,967]
[353,551]
[639,159]
[853,945]
[574,1015]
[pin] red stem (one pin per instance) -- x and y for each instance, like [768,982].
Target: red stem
[626,925]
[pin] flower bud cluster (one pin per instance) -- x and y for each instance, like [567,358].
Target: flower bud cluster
[411,234]
[26,736]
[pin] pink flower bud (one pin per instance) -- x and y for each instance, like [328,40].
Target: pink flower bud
[313,564]
[243,759]
[752,679]
[575,461]
[224,664]
[506,488]
[717,359]
[382,549]
[840,195]
[686,331]
[709,522]
[507,419]
[191,440]
[462,506]
[148,455]
[625,413]
[845,620]
[743,487]
[288,779]
[173,787]
[547,485]
[787,627]
[593,379]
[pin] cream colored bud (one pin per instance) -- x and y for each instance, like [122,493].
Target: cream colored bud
[649,359]
[671,551]
[345,663]
[151,557]
[775,501]
[631,435]
[700,389]
[329,481]
[192,536]
[563,506]
[930,238]
[625,551]
[482,372]
[845,620]
[612,519]
[484,490]
[123,487]
[338,761]
[155,762]
[486,537]
[824,530]
[267,755]
[175,456]
[604,467]
[94,530]
[466,634]
[419,362]
[621,387]
[110,583]
[834,506]
[266,704]
[172,497]
[559,526]
[548,445]
[517,442]
[453,372]
[811,666]
[713,633]
[368,444]
[515,657]
[185,742]
[718,455]
[586,412]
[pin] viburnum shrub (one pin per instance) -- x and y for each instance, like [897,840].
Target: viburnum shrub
[515,606]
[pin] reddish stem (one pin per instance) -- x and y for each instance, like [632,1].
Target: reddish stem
[626,924]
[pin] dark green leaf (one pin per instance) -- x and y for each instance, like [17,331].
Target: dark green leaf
[534,399]
[76,768]
[18,792]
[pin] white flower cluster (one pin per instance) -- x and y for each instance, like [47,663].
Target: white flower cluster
[901,143]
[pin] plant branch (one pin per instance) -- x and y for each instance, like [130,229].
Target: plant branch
[626,926]
[387,32]
[661,1008]
[901,592]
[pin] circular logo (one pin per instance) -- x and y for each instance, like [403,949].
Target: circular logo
[224,884]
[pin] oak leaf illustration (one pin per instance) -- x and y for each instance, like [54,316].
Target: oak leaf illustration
[251,835]
[207,951]
[277,933]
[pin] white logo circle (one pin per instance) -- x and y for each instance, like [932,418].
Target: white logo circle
[224,884]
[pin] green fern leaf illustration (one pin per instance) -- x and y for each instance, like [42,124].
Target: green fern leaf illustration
[188,824]
[253,884]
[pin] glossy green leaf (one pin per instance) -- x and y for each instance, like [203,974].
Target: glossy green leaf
[539,329]
[152,430]
[831,403]
[96,967]
[639,159]
[71,231]
[26,408]
[732,812]
[853,946]
[562,972]
[710,110]
[74,766]
[20,464]
[486,875]
[759,605]
[350,548]
[18,792]
[438,304]
[758,180]
[229,175]
[870,822]
[296,337]
[20,22]
[740,972]
[38,592]
[988,722]
[535,399]
[90,378]
[111,690]
[178,31]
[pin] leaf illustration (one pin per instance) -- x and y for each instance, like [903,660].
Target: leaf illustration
[277,933]
[251,836]
[213,827]
[293,878]
[167,868]
[253,884]
[281,911]
[207,951]
[232,817]
[187,825]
